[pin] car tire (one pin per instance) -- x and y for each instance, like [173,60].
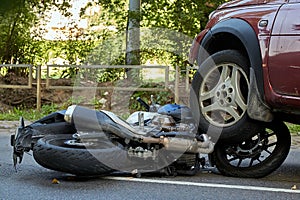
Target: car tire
[256,157]
[219,95]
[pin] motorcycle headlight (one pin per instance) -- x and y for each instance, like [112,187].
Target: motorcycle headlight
[69,113]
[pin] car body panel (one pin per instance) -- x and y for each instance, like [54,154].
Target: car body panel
[251,15]
[239,3]
[284,52]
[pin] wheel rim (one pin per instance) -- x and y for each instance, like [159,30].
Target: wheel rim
[252,152]
[223,95]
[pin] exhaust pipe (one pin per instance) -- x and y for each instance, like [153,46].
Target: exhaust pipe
[183,145]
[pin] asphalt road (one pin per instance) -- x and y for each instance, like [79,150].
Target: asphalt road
[35,182]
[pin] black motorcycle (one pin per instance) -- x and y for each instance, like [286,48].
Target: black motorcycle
[84,141]
[87,142]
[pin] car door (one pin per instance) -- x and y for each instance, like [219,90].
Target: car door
[284,51]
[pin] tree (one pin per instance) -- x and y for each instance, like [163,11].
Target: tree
[16,21]
[19,40]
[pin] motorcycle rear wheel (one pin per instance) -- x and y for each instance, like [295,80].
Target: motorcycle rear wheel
[51,152]
[256,157]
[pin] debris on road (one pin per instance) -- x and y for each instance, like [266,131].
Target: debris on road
[55,181]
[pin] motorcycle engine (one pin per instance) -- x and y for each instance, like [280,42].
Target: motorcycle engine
[171,120]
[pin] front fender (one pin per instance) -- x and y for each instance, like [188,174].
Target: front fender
[246,34]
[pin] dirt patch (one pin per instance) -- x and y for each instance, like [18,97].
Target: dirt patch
[26,98]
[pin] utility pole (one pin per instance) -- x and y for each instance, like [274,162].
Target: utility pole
[133,38]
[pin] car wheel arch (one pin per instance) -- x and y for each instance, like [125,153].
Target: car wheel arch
[245,34]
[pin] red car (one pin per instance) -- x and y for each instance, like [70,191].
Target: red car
[248,83]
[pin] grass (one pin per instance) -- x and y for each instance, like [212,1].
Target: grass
[294,128]
[33,114]
[28,114]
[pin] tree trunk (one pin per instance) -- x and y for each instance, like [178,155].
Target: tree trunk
[133,38]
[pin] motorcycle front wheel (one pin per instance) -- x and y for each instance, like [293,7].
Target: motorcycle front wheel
[52,152]
[257,156]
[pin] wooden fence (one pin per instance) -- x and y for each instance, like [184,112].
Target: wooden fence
[37,72]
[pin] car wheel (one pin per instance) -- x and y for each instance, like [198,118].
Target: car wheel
[255,157]
[219,97]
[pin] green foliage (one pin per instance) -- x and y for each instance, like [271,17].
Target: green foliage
[181,16]
[28,114]
[108,75]
[22,27]
[160,97]
[15,26]
[112,13]
[71,101]
[294,128]
[187,17]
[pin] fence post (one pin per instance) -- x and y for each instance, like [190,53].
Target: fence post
[187,79]
[177,85]
[167,69]
[38,87]
[30,77]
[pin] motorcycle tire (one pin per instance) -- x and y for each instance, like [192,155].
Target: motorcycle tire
[52,153]
[256,157]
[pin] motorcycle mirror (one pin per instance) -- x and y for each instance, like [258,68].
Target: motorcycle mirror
[22,123]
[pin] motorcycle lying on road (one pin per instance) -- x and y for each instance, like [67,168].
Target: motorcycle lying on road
[87,142]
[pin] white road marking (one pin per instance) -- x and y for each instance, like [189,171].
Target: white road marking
[212,185]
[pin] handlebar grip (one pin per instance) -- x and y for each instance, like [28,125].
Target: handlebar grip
[143,103]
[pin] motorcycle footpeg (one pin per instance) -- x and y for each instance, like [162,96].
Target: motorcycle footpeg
[17,156]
